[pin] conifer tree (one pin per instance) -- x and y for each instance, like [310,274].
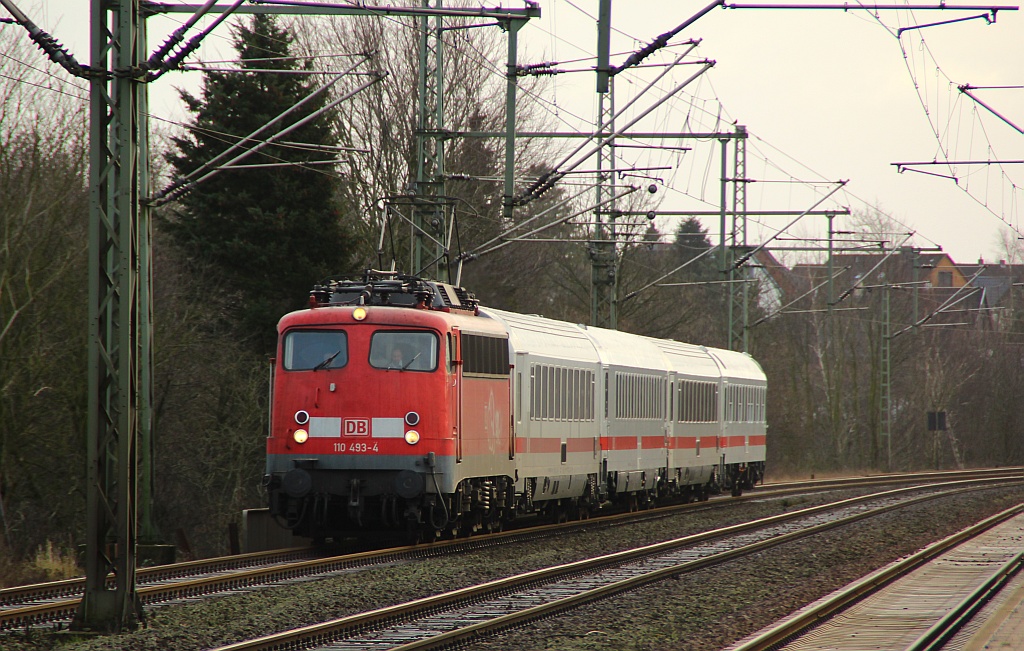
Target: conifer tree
[691,240]
[271,231]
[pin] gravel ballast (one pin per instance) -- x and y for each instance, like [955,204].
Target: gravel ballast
[697,611]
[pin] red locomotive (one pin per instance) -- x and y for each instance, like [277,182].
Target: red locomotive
[400,403]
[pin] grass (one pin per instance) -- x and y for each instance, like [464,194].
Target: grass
[51,562]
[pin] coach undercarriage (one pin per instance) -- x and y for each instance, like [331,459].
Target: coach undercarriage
[328,505]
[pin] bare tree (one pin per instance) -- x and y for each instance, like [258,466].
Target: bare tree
[43,218]
[377,128]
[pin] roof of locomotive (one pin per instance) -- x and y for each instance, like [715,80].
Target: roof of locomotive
[389,298]
[396,300]
[375,314]
[388,315]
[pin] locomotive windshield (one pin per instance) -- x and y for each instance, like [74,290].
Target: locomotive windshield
[315,349]
[406,351]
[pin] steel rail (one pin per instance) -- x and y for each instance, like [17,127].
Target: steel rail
[944,629]
[68,588]
[329,631]
[65,587]
[514,620]
[866,586]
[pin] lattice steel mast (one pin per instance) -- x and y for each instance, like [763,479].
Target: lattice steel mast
[119,311]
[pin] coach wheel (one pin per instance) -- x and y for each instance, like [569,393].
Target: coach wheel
[631,503]
[558,512]
[576,509]
[754,475]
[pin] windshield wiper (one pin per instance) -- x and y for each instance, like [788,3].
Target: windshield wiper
[402,367]
[326,362]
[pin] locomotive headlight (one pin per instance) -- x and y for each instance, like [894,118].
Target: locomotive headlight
[300,435]
[359,313]
[412,437]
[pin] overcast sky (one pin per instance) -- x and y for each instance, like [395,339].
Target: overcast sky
[826,95]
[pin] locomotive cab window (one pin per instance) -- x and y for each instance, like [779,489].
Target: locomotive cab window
[404,351]
[306,350]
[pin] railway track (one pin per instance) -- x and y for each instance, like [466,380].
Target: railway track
[19,595]
[916,604]
[55,602]
[463,615]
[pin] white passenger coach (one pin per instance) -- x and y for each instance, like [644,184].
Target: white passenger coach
[601,414]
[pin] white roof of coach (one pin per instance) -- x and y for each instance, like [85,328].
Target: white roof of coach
[618,348]
[538,335]
[738,366]
[687,359]
[545,337]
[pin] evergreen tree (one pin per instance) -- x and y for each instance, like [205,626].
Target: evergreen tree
[272,231]
[691,240]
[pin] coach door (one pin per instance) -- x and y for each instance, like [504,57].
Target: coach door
[520,383]
[455,389]
[670,418]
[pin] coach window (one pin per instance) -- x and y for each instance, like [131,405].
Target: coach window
[545,392]
[710,403]
[306,350]
[535,392]
[404,351]
[563,394]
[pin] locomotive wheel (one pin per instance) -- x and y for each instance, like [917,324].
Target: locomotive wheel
[414,533]
[459,529]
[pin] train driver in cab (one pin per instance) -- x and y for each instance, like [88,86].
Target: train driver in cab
[397,358]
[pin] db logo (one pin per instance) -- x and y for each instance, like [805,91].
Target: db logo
[357,427]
